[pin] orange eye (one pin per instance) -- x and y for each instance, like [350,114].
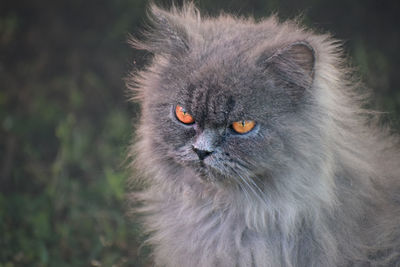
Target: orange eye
[183,116]
[243,127]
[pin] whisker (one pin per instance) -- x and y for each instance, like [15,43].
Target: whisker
[241,185]
[246,182]
[242,165]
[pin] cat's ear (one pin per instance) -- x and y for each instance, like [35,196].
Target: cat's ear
[293,67]
[166,34]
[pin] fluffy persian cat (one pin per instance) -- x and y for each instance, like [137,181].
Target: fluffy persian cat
[255,150]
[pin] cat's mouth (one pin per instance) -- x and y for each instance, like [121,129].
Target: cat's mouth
[213,168]
[207,170]
[203,170]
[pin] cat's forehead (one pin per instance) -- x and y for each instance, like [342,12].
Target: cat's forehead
[223,83]
[221,95]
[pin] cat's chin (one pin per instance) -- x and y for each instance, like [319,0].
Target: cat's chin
[203,171]
[207,173]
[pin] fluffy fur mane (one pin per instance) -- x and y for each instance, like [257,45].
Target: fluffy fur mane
[335,201]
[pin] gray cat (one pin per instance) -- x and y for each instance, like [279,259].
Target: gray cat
[255,149]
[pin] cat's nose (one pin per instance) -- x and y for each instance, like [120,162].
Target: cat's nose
[205,143]
[202,153]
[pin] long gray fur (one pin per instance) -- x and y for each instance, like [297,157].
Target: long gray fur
[316,183]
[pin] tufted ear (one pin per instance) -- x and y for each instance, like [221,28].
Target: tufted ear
[293,66]
[166,34]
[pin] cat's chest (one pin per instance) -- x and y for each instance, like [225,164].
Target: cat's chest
[202,235]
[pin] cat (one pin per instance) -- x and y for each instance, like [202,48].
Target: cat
[255,148]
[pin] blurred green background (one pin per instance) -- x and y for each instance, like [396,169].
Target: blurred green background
[65,122]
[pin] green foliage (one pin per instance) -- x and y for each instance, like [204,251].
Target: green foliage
[65,128]
[65,123]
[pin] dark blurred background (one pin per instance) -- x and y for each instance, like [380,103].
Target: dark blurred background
[66,123]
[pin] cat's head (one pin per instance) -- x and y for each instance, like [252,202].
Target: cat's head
[229,99]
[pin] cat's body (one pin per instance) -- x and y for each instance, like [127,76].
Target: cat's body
[313,184]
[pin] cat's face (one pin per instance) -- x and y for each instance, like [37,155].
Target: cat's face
[218,92]
[240,91]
